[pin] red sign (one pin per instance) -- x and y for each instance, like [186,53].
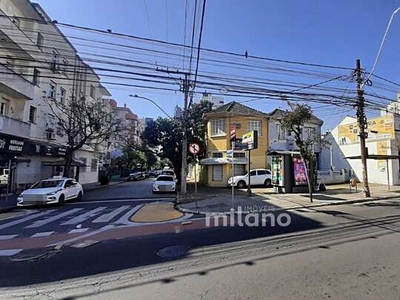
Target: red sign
[194,148]
[233,132]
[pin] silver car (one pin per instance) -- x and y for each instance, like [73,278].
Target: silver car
[164,184]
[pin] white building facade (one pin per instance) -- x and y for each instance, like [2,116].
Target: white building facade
[39,64]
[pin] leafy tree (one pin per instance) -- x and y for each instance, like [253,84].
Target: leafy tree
[168,134]
[293,121]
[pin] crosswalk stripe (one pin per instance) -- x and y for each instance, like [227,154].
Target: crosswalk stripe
[39,223]
[124,220]
[109,216]
[28,218]
[79,230]
[7,237]
[84,216]
[45,233]
[9,252]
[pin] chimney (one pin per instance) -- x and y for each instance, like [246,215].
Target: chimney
[125,105]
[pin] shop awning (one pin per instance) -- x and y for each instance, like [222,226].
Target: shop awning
[61,162]
[375,156]
[283,152]
[223,161]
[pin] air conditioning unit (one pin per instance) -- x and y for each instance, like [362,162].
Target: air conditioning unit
[50,135]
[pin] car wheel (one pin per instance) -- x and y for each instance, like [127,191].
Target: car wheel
[267,182]
[79,197]
[61,200]
[241,184]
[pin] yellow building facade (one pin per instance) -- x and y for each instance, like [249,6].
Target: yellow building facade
[217,167]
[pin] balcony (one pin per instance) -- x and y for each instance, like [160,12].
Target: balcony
[14,127]
[15,85]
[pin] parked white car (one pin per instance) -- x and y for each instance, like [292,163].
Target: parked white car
[51,191]
[164,184]
[257,177]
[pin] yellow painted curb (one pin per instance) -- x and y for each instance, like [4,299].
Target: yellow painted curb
[158,212]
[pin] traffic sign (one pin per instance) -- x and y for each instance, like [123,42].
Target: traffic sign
[194,148]
[233,132]
[229,153]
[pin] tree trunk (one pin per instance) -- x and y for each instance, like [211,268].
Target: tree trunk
[68,163]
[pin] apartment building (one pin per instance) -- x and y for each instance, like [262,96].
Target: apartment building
[39,64]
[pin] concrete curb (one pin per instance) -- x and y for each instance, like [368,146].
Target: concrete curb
[7,209]
[278,209]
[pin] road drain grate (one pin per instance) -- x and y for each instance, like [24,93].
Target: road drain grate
[173,251]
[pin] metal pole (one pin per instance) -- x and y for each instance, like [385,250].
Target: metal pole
[387,174]
[195,175]
[8,178]
[184,140]
[233,175]
[249,184]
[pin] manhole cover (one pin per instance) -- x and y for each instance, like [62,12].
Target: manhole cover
[173,251]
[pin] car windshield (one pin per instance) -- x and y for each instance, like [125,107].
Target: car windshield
[165,178]
[168,172]
[47,184]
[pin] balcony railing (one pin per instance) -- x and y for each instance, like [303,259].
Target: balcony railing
[15,85]
[14,127]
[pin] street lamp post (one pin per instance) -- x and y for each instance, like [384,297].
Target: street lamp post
[159,107]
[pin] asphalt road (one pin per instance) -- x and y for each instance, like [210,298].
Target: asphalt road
[127,190]
[339,252]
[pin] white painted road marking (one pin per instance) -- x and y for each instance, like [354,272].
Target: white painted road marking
[109,216]
[45,233]
[83,217]
[104,228]
[28,218]
[172,199]
[40,223]
[9,252]
[125,218]
[79,230]
[7,237]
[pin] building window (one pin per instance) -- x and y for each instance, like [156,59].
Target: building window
[93,165]
[280,132]
[84,160]
[4,107]
[62,95]
[217,154]
[255,125]
[32,114]
[218,127]
[54,62]
[92,91]
[239,154]
[64,67]
[217,174]
[40,40]
[239,170]
[36,76]
[309,133]
[52,90]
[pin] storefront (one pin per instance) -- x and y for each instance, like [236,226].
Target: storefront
[288,172]
[20,160]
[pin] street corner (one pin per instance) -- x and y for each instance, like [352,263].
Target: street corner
[156,212]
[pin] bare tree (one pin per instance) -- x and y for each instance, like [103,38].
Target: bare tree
[82,122]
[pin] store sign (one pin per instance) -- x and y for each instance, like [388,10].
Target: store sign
[251,140]
[11,144]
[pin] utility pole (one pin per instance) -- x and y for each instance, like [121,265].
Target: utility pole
[362,125]
[185,88]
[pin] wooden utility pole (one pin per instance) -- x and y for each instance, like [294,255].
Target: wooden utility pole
[362,125]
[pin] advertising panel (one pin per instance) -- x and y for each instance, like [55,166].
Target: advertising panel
[300,176]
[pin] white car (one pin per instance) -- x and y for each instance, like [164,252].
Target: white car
[164,184]
[51,191]
[257,177]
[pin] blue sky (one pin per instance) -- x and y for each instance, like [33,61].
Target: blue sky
[322,32]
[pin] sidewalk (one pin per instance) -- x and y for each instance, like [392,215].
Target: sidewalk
[265,199]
